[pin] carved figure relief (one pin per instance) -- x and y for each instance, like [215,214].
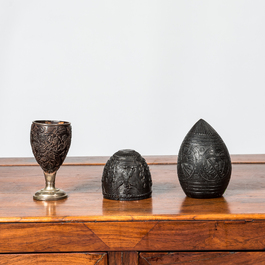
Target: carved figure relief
[126,176]
[204,165]
[50,144]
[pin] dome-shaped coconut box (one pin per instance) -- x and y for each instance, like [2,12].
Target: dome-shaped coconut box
[126,177]
[204,165]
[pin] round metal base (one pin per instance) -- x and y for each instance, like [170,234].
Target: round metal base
[50,195]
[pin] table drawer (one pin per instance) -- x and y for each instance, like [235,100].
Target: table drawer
[54,259]
[201,258]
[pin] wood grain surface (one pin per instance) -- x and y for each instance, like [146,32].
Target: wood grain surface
[132,236]
[169,221]
[202,258]
[101,160]
[123,258]
[54,259]
[243,199]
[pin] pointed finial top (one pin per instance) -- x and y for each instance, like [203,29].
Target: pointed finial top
[202,127]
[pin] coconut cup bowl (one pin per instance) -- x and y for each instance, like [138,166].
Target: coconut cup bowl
[50,142]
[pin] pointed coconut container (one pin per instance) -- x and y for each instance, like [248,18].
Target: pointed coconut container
[204,164]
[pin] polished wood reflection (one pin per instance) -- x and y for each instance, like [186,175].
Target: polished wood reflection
[169,221]
[243,199]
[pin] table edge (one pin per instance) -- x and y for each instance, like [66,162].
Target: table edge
[151,160]
[128,218]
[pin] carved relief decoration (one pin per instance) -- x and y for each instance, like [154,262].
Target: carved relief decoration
[204,165]
[50,144]
[126,176]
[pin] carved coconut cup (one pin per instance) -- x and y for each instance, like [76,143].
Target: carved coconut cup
[50,142]
[126,177]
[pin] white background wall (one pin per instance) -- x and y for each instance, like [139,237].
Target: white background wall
[133,74]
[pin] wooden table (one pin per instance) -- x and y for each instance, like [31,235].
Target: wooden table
[169,228]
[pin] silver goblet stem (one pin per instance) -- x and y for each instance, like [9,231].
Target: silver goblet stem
[50,181]
[50,193]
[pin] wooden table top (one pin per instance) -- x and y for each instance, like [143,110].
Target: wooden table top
[80,177]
